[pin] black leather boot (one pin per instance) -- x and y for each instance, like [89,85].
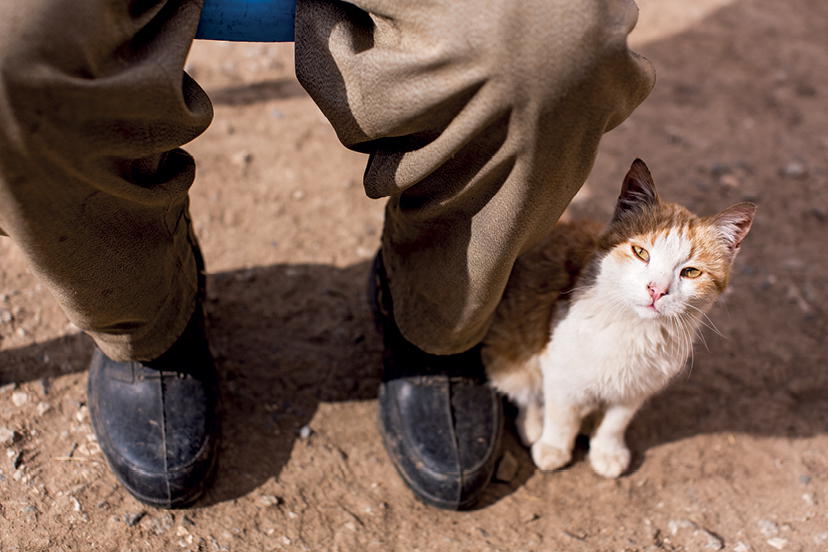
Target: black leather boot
[157,422]
[440,422]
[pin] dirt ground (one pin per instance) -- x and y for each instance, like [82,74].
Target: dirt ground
[733,456]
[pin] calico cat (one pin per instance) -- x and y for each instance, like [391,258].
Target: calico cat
[595,321]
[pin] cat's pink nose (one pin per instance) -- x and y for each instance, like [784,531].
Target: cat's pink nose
[656,292]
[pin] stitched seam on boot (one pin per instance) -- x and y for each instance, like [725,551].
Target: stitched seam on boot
[449,389]
[164,442]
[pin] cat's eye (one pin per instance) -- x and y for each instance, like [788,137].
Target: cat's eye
[691,272]
[641,253]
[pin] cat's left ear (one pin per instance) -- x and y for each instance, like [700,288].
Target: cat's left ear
[638,190]
[734,224]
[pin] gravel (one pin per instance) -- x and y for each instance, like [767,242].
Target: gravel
[768,528]
[693,536]
[19,398]
[794,169]
[269,500]
[134,519]
[7,436]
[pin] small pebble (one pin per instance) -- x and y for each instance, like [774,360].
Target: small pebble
[161,525]
[76,505]
[714,542]
[305,432]
[43,408]
[269,500]
[242,158]
[741,547]
[6,316]
[674,525]
[778,543]
[767,527]
[19,398]
[794,169]
[7,436]
[133,519]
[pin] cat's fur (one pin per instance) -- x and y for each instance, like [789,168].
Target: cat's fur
[586,324]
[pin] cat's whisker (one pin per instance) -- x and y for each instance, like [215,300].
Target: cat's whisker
[698,320]
[687,332]
[709,323]
[690,319]
[574,290]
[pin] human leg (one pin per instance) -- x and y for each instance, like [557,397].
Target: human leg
[92,186]
[94,105]
[481,124]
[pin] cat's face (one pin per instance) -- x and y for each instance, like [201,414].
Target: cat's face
[663,261]
[667,272]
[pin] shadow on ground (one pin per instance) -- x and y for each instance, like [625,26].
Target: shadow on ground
[287,337]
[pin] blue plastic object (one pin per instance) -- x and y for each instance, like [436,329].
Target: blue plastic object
[247,20]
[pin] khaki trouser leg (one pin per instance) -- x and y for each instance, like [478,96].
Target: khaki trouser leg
[93,106]
[481,120]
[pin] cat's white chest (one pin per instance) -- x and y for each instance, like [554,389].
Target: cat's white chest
[607,355]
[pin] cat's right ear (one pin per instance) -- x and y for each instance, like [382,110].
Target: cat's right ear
[734,224]
[638,189]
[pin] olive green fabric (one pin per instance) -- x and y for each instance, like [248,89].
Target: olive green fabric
[481,121]
[93,106]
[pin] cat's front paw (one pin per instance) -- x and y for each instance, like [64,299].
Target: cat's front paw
[609,461]
[548,457]
[529,425]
